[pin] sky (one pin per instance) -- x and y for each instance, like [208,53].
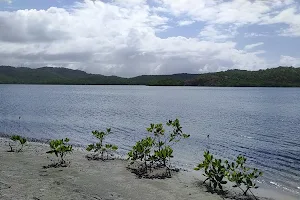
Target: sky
[133,37]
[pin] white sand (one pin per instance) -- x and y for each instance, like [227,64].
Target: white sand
[23,177]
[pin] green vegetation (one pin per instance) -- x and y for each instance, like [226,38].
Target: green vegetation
[156,151]
[242,176]
[63,76]
[274,77]
[100,147]
[142,151]
[214,170]
[60,148]
[236,172]
[16,138]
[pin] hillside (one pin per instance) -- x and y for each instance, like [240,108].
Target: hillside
[49,75]
[275,77]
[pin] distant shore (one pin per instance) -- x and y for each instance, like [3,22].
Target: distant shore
[23,177]
[273,77]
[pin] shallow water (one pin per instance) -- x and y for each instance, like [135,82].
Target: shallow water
[260,123]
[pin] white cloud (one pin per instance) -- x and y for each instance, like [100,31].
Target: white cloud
[243,60]
[185,22]
[121,38]
[214,33]
[33,25]
[260,52]
[289,61]
[239,12]
[250,35]
[289,16]
[129,3]
[159,9]
[251,46]
[222,12]
[6,1]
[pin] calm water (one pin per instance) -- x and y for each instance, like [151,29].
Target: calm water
[260,123]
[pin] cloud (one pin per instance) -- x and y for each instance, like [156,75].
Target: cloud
[260,52]
[122,37]
[6,1]
[251,35]
[251,46]
[215,33]
[289,16]
[33,26]
[289,61]
[239,12]
[222,12]
[185,22]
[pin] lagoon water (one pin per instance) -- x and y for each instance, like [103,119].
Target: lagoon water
[261,123]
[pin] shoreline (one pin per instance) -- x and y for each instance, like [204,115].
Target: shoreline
[194,86]
[23,177]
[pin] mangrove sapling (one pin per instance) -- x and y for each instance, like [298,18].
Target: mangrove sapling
[165,154]
[156,151]
[109,149]
[214,170]
[177,134]
[16,138]
[141,151]
[60,148]
[163,142]
[100,147]
[242,176]
[159,140]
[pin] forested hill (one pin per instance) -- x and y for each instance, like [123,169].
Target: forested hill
[275,77]
[50,75]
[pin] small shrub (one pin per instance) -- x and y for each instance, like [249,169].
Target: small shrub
[100,147]
[21,140]
[60,148]
[214,170]
[243,177]
[156,151]
[141,151]
[163,142]
[236,172]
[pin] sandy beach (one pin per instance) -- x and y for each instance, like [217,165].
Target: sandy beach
[23,177]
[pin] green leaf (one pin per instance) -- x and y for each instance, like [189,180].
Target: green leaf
[114,147]
[90,147]
[58,147]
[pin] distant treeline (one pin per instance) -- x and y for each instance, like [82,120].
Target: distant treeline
[275,77]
